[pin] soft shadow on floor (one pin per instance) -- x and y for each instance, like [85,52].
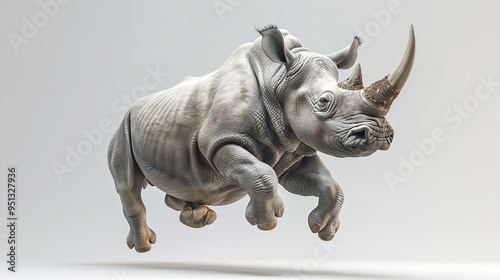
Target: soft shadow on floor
[252,270]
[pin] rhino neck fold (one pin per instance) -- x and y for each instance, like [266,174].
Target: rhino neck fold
[272,83]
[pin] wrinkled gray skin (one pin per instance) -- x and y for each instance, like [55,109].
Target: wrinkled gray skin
[249,127]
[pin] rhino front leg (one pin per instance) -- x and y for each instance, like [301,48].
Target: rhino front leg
[238,166]
[310,177]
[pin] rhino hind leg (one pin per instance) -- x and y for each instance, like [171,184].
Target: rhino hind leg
[129,182]
[192,214]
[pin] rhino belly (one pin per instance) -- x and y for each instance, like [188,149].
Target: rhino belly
[188,180]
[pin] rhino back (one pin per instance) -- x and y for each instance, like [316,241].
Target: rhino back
[173,131]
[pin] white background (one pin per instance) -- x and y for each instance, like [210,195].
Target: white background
[74,69]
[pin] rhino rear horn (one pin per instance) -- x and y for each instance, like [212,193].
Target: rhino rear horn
[354,81]
[346,57]
[274,46]
[382,93]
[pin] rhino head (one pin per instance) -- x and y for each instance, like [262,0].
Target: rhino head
[343,119]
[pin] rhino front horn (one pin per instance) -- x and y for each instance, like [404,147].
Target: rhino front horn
[382,93]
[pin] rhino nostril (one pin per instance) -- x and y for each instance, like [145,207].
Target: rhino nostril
[360,133]
[359,136]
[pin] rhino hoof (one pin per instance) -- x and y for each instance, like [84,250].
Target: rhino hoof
[324,226]
[266,221]
[197,216]
[268,226]
[141,243]
[326,236]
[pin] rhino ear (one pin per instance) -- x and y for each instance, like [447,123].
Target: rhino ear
[346,57]
[274,46]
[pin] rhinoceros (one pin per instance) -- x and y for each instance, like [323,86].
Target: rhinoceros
[249,127]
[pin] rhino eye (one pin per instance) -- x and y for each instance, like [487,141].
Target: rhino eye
[324,101]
